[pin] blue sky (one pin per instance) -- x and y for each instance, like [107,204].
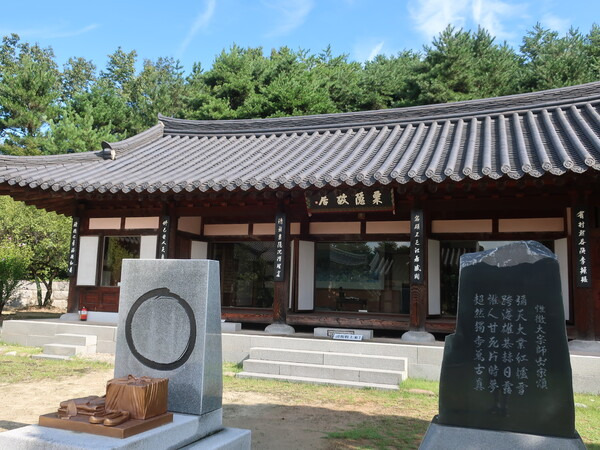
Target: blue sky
[197,30]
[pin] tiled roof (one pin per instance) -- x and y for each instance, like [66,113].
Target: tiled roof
[555,131]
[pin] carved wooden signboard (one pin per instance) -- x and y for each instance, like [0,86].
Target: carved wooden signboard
[581,248]
[350,200]
[417,247]
[74,247]
[162,251]
[280,246]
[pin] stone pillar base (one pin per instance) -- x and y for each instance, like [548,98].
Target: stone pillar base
[418,337]
[280,329]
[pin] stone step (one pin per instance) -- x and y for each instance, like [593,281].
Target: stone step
[64,349]
[330,358]
[76,339]
[309,380]
[51,357]
[329,345]
[50,329]
[341,373]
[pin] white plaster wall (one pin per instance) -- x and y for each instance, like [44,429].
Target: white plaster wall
[88,260]
[334,228]
[105,223]
[140,223]
[229,229]
[531,225]
[388,227]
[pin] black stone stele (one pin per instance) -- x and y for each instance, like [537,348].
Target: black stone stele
[507,366]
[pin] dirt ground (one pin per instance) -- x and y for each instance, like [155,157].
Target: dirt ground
[273,425]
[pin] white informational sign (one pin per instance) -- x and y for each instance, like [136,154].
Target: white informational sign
[348,337]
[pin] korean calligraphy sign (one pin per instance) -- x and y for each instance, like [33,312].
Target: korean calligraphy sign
[581,248]
[350,200]
[280,246]
[162,252]
[417,246]
[74,247]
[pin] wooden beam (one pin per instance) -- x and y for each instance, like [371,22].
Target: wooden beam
[341,320]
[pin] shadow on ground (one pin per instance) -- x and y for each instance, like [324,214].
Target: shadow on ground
[277,426]
[6,425]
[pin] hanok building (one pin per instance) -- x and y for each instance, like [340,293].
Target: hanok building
[354,220]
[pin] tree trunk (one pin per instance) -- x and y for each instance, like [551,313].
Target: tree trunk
[39,290]
[48,296]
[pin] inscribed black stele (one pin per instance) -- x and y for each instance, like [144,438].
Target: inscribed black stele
[507,366]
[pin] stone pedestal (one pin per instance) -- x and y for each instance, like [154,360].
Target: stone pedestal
[186,431]
[442,437]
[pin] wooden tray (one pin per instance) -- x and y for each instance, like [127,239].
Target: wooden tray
[125,430]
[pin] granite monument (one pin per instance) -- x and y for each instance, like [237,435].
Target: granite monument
[169,327]
[507,367]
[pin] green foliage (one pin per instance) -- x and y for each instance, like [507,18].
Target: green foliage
[29,93]
[46,235]
[461,65]
[14,259]
[552,61]
[44,110]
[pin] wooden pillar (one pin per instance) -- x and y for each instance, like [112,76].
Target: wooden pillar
[282,288]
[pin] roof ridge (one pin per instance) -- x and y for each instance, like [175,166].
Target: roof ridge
[111,149]
[480,107]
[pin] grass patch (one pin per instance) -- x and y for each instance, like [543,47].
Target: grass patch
[386,433]
[22,368]
[230,369]
[401,417]
[587,419]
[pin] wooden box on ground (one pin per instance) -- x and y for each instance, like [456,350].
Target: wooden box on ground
[143,397]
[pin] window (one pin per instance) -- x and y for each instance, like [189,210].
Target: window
[362,276]
[246,273]
[450,253]
[116,248]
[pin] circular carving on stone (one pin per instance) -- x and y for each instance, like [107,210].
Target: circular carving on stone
[160,330]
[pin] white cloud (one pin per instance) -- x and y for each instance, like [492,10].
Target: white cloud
[201,22]
[375,51]
[292,14]
[50,32]
[555,23]
[491,14]
[432,16]
[367,49]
